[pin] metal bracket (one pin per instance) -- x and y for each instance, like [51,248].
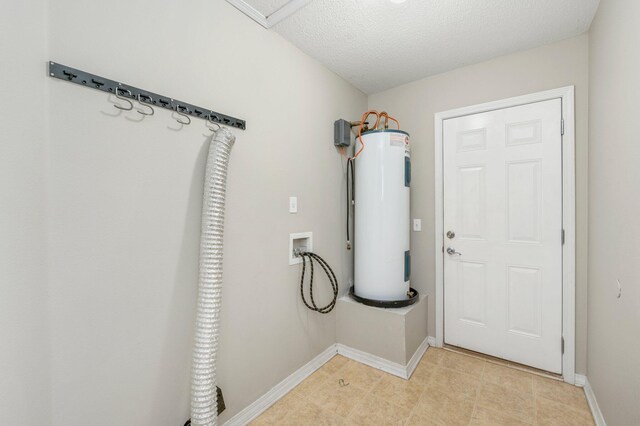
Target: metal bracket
[93,81]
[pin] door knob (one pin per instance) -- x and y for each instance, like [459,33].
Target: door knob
[451,235]
[453,251]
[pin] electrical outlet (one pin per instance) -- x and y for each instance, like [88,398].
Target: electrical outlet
[293,204]
[417,225]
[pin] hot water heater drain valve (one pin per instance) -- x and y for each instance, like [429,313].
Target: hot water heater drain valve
[327,270]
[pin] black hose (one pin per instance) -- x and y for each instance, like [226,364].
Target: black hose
[350,200]
[330,275]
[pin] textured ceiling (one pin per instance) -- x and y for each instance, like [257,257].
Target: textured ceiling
[377,44]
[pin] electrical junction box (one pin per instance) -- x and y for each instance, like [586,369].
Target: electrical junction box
[342,133]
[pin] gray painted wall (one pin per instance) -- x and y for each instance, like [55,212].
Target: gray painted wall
[548,67]
[125,204]
[614,206]
[24,342]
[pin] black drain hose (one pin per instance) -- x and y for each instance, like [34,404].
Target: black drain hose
[330,275]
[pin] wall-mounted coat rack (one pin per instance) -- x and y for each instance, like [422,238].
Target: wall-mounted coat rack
[93,81]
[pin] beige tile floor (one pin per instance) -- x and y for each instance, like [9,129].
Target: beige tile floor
[447,388]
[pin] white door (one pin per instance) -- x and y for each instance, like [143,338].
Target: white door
[503,202]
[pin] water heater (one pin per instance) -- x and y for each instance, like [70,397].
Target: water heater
[382,261]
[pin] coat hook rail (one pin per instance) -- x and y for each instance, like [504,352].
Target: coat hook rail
[93,81]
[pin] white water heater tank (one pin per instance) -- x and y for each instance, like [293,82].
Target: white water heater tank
[381,218]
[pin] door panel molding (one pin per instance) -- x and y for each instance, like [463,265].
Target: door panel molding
[523,135]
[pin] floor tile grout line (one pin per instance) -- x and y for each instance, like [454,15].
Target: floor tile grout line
[424,389]
[569,406]
[424,385]
[459,372]
[504,363]
[535,400]
[436,365]
[390,402]
[368,394]
[475,402]
[412,410]
[508,389]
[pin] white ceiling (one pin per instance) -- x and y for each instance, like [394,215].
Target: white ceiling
[377,44]
[267,7]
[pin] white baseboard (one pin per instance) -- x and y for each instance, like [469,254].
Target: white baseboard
[285,386]
[281,389]
[402,371]
[373,361]
[417,356]
[583,382]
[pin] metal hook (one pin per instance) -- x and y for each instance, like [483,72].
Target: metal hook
[123,99]
[139,97]
[184,115]
[209,120]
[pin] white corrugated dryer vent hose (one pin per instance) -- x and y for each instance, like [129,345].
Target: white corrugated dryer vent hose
[203,372]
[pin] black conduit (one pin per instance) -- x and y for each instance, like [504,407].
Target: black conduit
[350,199]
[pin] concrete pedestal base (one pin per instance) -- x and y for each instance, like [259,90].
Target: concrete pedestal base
[394,335]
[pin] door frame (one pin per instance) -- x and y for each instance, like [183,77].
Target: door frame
[566,94]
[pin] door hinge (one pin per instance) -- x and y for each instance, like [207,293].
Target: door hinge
[563,237]
[562,127]
[443,249]
[562,346]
